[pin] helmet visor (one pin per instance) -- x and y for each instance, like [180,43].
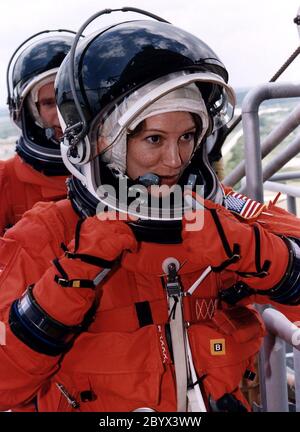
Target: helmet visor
[178,93]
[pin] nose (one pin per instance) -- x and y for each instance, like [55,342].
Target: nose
[171,156]
[54,117]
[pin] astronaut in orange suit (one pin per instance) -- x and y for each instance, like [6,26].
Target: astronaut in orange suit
[148,304]
[36,172]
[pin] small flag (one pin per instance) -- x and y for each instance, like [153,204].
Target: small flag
[245,207]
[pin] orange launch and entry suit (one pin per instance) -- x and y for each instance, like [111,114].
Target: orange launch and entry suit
[22,186]
[123,360]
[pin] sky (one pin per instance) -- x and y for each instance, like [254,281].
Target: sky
[253,38]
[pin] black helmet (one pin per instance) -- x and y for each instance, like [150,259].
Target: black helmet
[140,61]
[37,62]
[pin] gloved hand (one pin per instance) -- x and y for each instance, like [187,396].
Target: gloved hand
[223,241]
[98,241]
[50,314]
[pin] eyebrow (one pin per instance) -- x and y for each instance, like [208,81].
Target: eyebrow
[160,130]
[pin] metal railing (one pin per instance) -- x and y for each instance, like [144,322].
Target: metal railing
[254,152]
[280,332]
[273,139]
[272,359]
[291,192]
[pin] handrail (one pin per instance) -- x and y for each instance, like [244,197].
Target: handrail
[278,134]
[289,175]
[279,325]
[289,190]
[250,107]
[280,331]
[272,363]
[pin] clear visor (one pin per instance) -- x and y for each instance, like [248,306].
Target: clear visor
[109,135]
[32,87]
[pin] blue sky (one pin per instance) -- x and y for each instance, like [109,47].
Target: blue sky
[253,38]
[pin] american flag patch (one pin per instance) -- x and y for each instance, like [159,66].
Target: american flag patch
[245,207]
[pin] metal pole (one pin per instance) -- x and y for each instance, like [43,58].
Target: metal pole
[290,123]
[282,158]
[275,374]
[253,164]
[280,327]
[283,188]
[254,179]
[279,161]
[289,175]
[297,377]
[291,204]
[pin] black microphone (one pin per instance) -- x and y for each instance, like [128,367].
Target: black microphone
[149,179]
[50,133]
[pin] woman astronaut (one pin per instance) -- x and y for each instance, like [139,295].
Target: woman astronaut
[140,311]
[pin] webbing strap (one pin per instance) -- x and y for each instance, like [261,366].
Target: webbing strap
[179,351]
[195,399]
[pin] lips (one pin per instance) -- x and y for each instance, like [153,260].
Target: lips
[169,180]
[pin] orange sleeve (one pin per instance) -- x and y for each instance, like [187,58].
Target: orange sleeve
[26,251]
[5,204]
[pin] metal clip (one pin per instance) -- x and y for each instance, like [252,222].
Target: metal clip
[173,289]
[73,402]
[170,267]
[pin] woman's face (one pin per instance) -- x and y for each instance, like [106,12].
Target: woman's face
[163,146]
